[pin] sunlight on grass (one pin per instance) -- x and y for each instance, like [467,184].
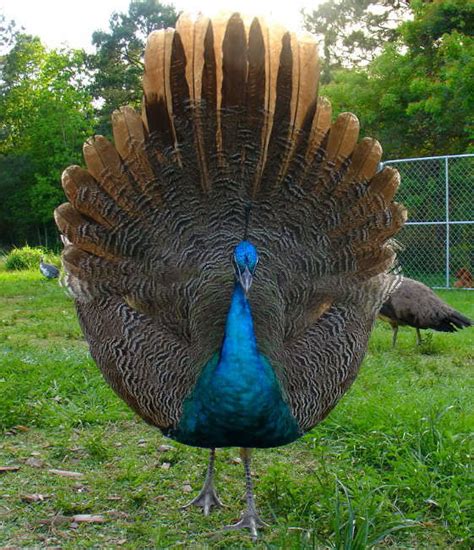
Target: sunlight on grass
[387,469]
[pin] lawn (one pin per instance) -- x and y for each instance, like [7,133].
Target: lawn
[387,469]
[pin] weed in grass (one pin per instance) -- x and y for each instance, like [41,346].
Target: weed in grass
[357,528]
[427,345]
[97,449]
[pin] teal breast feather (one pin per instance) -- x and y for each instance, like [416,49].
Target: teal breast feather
[237,400]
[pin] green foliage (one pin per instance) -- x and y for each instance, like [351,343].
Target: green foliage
[352,32]
[46,114]
[389,467]
[118,62]
[27,257]
[434,20]
[417,96]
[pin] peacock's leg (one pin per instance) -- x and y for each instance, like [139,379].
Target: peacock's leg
[207,498]
[394,337]
[418,337]
[250,519]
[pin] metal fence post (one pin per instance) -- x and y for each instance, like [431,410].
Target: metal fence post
[446,176]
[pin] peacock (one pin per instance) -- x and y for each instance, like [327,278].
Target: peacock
[48,270]
[416,305]
[228,254]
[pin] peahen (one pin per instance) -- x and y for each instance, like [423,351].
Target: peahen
[416,305]
[48,270]
[228,254]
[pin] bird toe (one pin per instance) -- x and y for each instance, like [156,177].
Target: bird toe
[207,499]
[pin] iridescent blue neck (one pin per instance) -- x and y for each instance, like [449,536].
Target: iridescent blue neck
[239,348]
[237,400]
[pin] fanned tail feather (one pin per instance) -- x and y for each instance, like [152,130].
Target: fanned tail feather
[231,118]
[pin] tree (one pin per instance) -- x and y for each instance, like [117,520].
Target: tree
[417,97]
[352,32]
[8,31]
[118,61]
[46,114]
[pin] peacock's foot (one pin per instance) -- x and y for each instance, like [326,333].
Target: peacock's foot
[206,499]
[250,520]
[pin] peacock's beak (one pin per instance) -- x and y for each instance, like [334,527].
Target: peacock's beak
[246,279]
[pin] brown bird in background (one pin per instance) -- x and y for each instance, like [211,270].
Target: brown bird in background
[414,304]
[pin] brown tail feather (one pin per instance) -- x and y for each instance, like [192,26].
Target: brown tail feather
[364,161]
[342,139]
[84,233]
[105,166]
[130,141]
[266,40]
[157,88]
[308,148]
[193,35]
[305,80]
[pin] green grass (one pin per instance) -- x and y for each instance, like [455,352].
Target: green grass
[387,469]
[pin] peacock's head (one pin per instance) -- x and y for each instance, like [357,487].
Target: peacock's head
[245,263]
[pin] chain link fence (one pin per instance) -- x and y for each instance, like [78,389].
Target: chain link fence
[438,238]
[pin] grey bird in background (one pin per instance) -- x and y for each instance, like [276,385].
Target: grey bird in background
[414,304]
[48,270]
